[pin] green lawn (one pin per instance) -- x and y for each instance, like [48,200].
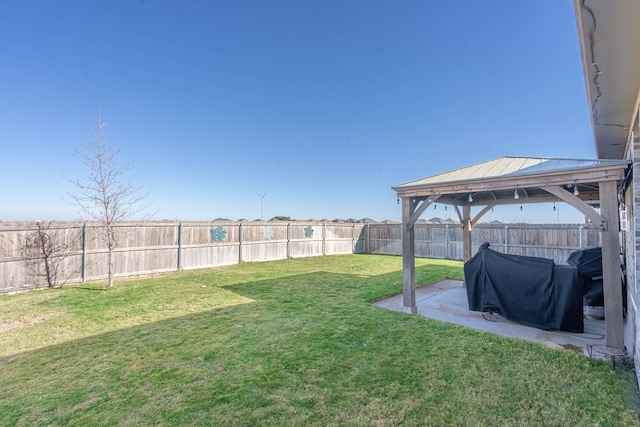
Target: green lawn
[292,342]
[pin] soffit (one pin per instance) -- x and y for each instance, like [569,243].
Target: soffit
[609,37]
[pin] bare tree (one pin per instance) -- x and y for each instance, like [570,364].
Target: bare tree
[45,252]
[107,193]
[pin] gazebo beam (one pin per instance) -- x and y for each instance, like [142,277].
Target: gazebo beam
[579,204]
[419,209]
[457,208]
[541,197]
[481,214]
[467,224]
[523,182]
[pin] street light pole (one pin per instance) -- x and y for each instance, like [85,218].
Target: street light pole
[262,196]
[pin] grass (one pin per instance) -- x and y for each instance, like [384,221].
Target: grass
[292,342]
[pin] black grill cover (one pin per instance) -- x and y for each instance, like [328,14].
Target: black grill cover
[589,264]
[528,290]
[588,261]
[594,292]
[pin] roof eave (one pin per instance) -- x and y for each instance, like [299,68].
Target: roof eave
[609,39]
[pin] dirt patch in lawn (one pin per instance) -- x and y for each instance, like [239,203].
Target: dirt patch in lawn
[25,321]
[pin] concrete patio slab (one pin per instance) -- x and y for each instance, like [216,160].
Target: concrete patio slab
[447,301]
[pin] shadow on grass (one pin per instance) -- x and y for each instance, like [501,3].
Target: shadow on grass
[63,381]
[309,350]
[85,288]
[318,289]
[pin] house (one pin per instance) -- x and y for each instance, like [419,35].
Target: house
[609,37]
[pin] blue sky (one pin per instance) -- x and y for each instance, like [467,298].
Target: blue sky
[321,105]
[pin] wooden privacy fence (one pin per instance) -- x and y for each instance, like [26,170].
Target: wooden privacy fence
[79,253]
[445,240]
[35,255]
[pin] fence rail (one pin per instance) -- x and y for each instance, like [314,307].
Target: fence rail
[33,255]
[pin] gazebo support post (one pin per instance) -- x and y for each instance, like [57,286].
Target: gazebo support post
[612,275]
[613,316]
[408,257]
[466,232]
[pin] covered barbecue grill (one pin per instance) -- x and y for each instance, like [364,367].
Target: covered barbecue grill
[589,264]
[528,290]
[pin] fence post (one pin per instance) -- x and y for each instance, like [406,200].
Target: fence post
[580,236]
[506,238]
[446,239]
[84,252]
[179,247]
[289,240]
[324,237]
[240,241]
[353,238]
[368,238]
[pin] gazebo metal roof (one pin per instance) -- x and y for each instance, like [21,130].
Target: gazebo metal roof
[511,166]
[535,179]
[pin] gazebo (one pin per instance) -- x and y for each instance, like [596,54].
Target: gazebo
[591,186]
